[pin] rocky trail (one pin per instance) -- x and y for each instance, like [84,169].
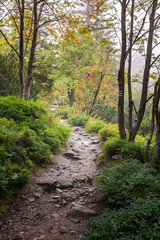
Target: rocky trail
[58,200]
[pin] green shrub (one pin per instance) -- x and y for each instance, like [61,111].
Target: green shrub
[64,112]
[37,151]
[113,147]
[126,149]
[28,136]
[120,184]
[133,150]
[12,177]
[55,137]
[94,125]
[78,120]
[140,221]
[19,110]
[110,130]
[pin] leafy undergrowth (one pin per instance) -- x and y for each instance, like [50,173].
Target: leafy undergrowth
[131,191]
[119,184]
[94,125]
[29,135]
[78,119]
[139,221]
[129,188]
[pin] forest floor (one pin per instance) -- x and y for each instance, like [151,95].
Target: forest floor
[59,199]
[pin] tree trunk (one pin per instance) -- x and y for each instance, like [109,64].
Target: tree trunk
[21,51]
[150,135]
[121,73]
[156,158]
[71,97]
[143,101]
[32,55]
[96,94]
[129,74]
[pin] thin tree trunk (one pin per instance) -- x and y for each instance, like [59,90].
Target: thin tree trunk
[150,136]
[121,73]
[154,110]
[32,54]
[146,73]
[21,51]
[129,74]
[156,157]
[96,94]
[71,97]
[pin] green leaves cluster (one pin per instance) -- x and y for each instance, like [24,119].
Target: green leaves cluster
[29,135]
[78,119]
[139,221]
[131,193]
[94,125]
[127,149]
[122,183]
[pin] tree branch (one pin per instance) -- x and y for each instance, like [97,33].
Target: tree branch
[9,43]
[154,60]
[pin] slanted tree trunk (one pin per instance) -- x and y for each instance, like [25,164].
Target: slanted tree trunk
[96,94]
[143,101]
[71,97]
[32,55]
[130,100]
[121,72]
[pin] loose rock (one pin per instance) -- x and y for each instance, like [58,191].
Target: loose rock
[81,211]
[47,184]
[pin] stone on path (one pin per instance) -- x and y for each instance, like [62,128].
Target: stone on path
[37,194]
[61,160]
[81,211]
[69,153]
[31,200]
[75,129]
[47,184]
[64,183]
[63,230]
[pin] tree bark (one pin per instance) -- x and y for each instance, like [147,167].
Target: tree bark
[32,55]
[21,50]
[121,73]
[143,101]
[71,97]
[96,94]
[129,74]
[156,157]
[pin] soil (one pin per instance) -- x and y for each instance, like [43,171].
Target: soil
[58,211]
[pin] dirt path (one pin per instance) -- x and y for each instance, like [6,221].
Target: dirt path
[57,214]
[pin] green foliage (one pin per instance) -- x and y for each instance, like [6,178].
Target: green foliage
[133,150]
[12,177]
[107,112]
[9,74]
[55,137]
[113,147]
[126,149]
[64,112]
[139,221]
[29,135]
[94,125]
[19,110]
[110,130]
[36,149]
[78,119]
[120,184]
